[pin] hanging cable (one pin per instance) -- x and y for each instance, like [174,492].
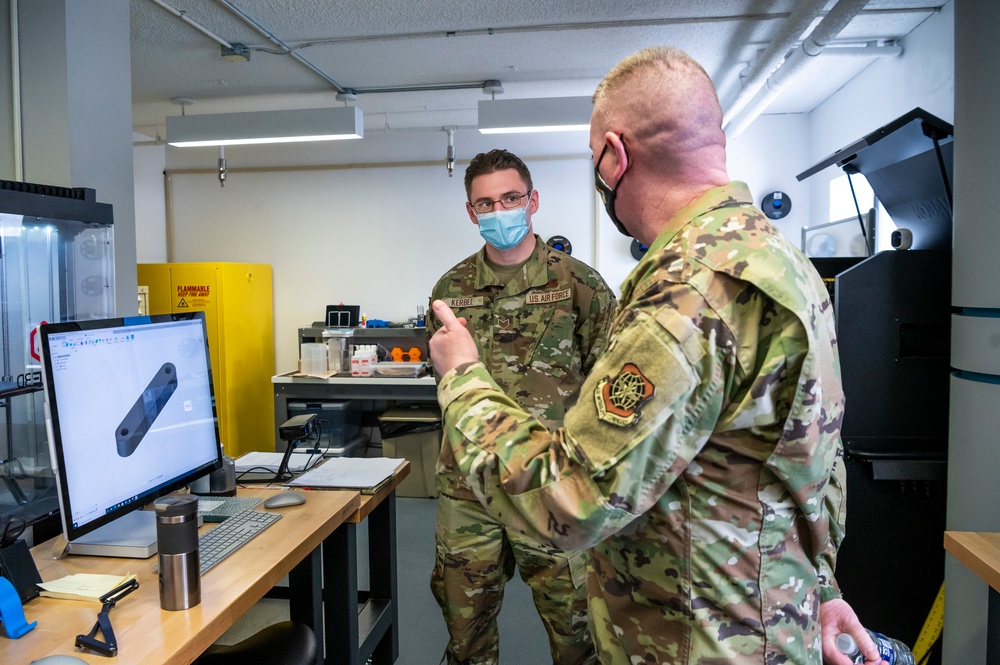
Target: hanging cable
[944,172]
[849,169]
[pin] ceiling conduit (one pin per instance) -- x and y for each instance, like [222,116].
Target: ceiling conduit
[194,24]
[831,25]
[288,50]
[789,34]
[274,40]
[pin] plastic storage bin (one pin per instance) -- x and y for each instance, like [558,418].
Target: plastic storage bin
[414,434]
[339,424]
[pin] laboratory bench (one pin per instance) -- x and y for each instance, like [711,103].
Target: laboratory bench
[345,402]
[289,388]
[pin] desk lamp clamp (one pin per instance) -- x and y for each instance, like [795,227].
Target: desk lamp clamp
[109,647]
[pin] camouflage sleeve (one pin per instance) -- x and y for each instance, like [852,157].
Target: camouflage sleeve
[610,463]
[594,330]
[835,504]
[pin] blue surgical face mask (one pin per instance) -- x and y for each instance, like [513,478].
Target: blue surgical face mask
[504,229]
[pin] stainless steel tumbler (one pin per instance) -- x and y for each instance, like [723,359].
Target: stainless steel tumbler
[177,544]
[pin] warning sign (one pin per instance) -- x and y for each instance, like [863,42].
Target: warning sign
[194,296]
[194,291]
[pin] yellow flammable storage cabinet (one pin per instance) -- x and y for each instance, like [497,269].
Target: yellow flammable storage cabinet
[237,301]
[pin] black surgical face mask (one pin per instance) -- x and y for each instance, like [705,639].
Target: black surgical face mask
[608,194]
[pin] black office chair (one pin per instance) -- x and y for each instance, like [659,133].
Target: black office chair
[284,643]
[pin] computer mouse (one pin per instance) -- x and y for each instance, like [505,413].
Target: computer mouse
[284,499]
[59,660]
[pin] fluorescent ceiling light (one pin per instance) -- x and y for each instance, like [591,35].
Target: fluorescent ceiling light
[546,114]
[329,124]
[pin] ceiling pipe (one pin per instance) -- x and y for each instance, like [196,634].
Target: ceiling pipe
[289,51]
[194,24]
[597,25]
[831,25]
[884,51]
[468,85]
[249,20]
[789,34]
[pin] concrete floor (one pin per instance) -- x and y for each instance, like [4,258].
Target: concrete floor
[422,635]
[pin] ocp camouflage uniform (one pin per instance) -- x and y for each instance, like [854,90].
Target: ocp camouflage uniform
[701,460]
[539,335]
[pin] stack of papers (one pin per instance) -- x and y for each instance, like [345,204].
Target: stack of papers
[257,461]
[348,473]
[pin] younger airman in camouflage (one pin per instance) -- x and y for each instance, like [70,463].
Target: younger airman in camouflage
[700,461]
[539,319]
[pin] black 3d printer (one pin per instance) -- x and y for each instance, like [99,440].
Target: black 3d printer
[893,316]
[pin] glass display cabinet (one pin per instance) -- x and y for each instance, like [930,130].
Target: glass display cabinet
[56,264]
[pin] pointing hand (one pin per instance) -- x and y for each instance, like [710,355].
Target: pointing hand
[451,345]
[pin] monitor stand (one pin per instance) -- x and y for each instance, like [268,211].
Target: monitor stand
[131,536]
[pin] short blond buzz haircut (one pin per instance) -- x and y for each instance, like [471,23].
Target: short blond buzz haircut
[660,94]
[665,58]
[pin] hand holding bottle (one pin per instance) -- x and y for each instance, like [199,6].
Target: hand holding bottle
[838,618]
[891,651]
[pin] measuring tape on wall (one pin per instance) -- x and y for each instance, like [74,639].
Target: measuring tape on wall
[931,631]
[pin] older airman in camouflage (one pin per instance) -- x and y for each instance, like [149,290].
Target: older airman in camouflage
[539,319]
[701,461]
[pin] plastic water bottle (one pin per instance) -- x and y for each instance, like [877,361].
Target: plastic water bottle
[891,651]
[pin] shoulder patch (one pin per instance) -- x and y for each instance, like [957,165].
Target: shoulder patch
[545,297]
[474,301]
[619,399]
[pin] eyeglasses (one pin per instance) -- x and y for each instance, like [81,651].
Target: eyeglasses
[508,201]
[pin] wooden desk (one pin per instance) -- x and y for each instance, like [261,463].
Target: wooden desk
[148,635]
[980,553]
[359,626]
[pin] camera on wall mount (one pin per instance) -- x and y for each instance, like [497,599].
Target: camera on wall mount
[901,239]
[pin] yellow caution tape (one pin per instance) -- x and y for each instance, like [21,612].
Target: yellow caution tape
[931,631]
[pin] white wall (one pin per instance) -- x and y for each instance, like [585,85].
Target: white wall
[974,457]
[76,110]
[148,164]
[381,235]
[923,76]
[378,237]
[766,156]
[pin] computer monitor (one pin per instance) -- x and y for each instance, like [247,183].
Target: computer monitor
[130,415]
